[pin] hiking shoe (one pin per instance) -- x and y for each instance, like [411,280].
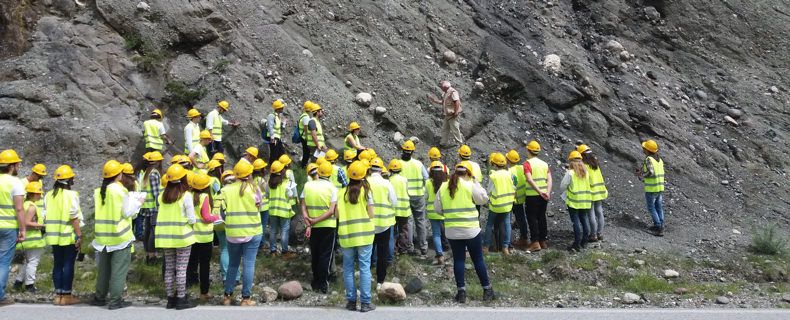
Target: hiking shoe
[247,302]
[439,261]
[31,288]
[534,246]
[593,238]
[351,306]
[574,248]
[227,300]
[184,303]
[505,252]
[119,305]
[67,300]
[488,294]
[18,285]
[365,307]
[600,237]
[205,297]
[171,302]
[460,297]
[96,302]
[660,232]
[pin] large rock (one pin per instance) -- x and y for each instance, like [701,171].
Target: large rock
[391,292]
[363,99]
[631,298]
[290,290]
[449,56]
[614,46]
[269,294]
[552,63]
[722,300]
[415,285]
[671,274]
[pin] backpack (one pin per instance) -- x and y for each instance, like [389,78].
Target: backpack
[297,134]
[265,131]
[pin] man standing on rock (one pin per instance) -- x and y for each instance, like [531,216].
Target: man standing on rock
[451,104]
[652,174]
[214,123]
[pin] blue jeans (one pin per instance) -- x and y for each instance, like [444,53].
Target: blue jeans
[7,249]
[138,227]
[475,247]
[362,255]
[264,225]
[655,205]
[436,235]
[224,257]
[504,219]
[283,225]
[247,252]
[63,268]
[581,226]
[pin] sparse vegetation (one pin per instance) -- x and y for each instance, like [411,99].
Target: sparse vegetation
[768,241]
[181,95]
[221,65]
[132,41]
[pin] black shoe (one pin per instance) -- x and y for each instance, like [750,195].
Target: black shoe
[574,248]
[31,288]
[18,285]
[96,302]
[488,294]
[365,307]
[184,303]
[171,302]
[351,306]
[460,297]
[659,232]
[119,305]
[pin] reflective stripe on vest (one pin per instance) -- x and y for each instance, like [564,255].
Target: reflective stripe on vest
[216,125]
[430,209]
[172,228]
[7,210]
[204,231]
[279,204]
[153,139]
[111,228]
[58,224]
[349,146]
[459,212]
[195,138]
[597,185]
[318,199]
[521,183]
[504,193]
[242,218]
[540,174]
[578,195]
[278,127]
[383,213]
[401,186]
[319,134]
[412,171]
[354,227]
[150,202]
[656,182]
[33,237]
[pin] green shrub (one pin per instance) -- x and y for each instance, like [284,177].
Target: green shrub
[132,41]
[768,241]
[180,95]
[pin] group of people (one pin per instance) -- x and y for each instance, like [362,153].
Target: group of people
[372,209]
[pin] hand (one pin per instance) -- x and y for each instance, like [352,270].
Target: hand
[307,232]
[273,141]
[451,114]
[20,236]
[545,196]
[235,124]
[78,244]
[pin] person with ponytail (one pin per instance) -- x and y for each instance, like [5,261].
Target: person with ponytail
[200,258]
[149,180]
[33,246]
[437,176]
[598,192]
[63,225]
[575,187]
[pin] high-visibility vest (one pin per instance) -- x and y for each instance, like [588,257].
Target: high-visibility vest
[318,199]
[578,195]
[153,139]
[401,186]
[201,156]
[216,125]
[430,209]
[260,183]
[204,231]
[319,134]
[111,227]
[172,228]
[242,218]
[521,183]
[279,203]
[656,182]
[7,210]
[504,193]
[277,132]
[33,237]
[58,224]
[334,176]
[300,125]
[476,172]
[597,185]
[149,202]
[383,213]
[348,146]
[354,227]
[460,211]
[412,171]
[540,174]
[194,138]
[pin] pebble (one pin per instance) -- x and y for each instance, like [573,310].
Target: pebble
[625,56]
[397,137]
[730,120]
[269,294]
[786,297]
[639,262]
[449,56]
[664,103]
[380,110]
[701,94]
[631,298]
[735,113]
[307,53]
[681,291]
[652,75]
[479,86]
[722,300]
[363,99]
[560,117]
[652,14]
[725,182]
[615,46]
[774,89]
[736,231]
[670,274]
[142,6]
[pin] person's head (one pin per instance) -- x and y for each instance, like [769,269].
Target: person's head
[276,174]
[533,149]
[465,152]
[177,183]
[228,177]
[279,105]
[319,113]
[127,177]
[437,175]
[222,106]
[444,85]
[33,191]
[219,156]
[587,156]
[9,162]
[407,149]
[498,160]
[358,185]
[349,156]
[38,172]
[193,115]
[251,154]
[312,171]
[200,185]
[650,147]
[285,160]
[331,156]
[205,138]
[513,157]
[259,167]
[434,154]
[462,171]
[354,128]
[157,114]
[575,163]
[112,172]
[325,170]
[395,166]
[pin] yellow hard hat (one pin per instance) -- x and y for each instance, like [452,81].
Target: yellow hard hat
[465,151]
[498,159]
[437,164]
[315,107]
[190,177]
[219,156]
[243,169]
[408,145]
[200,181]
[582,148]
[533,146]
[513,156]
[213,164]
[278,104]
[128,168]
[434,153]
[157,112]
[64,172]
[650,145]
[307,106]
[325,169]
[395,165]
[349,154]
[175,172]
[224,105]
[176,159]
[253,151]
[259,164]
[357,170]
[34,187]
[320,161]
[331,155]
[353,126]
[227,173]
[377,162]
[277,166]
[464,166]
[205,134]
[372,153]
[111,169]
[285,160]
[153,156]
[9,156]
[192,113]
[574,155]
[39,169]
[364,155]
[310,167]
[366,162]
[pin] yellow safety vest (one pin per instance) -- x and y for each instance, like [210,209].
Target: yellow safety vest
[430,209]
[150,202]
[172,228]
[412,170]
[578,195]
[401,186]
[540,174]
[476,172]
[59,228]
[260,183]
[656,182]
[278,123]
[459,212]
[349,146]
[504,193]
[7,210]
[279,203]
[333,177]
[597,185]
[204,231]
[383,213]
[33,237]
[216,126]
[242,218]
[201,155]
[319,134]
[153,139]
[111,227]
[195,138]
[521,183]
[318,199]
[355,228]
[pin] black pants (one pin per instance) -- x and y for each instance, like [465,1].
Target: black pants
[322,252]
[276,150]
[148,233]
[307,153]
[200,258]
[382,243]
[402,242]
[214,147]
[535,207]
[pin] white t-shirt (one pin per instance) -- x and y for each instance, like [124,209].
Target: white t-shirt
[18,189]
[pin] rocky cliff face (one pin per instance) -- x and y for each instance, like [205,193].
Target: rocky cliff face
[707,79]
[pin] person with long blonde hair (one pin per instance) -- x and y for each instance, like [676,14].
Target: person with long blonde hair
[575,187]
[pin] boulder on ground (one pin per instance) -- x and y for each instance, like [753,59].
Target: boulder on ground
[290,290]
[391,292]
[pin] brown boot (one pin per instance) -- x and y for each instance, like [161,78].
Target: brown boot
[247,303]
[68,300]
[439,261]
[544,245]
[534,246]
[505,252]
[58,298]
[205,298]
[521,244]
[227,300]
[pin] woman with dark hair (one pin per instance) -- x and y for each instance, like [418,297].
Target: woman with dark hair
[63,232]
[597,191]
[129,182]
[437,178]
[149,180]
[200,258]
[281,191]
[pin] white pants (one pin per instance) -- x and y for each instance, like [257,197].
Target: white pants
[27,272]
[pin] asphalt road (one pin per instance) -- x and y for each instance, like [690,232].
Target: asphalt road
[27,312]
